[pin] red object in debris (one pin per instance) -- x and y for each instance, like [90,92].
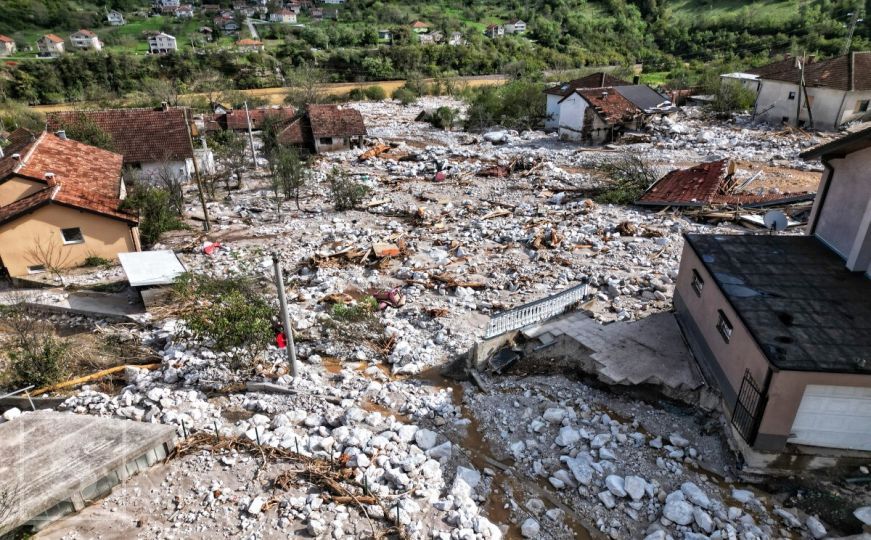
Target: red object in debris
[210,248]
[280,340]
[440,176]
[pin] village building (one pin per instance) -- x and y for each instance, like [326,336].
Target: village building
[210,8]
[50,45]
[385,35]
[167,3]
[836,91]
[115,18]
[249,45]
[324,128]
[161,43]
[555,94]
[602,115]
[494,31]
[780,324]
[60,203]
[456,38]
[7,45]
[154,142]
[284,16]
[184,11]
[239,119]
[227,24]
[514,26]
[85,40]
[419,27]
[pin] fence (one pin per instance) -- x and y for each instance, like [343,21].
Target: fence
[534,312]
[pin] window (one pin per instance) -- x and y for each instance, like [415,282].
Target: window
[724,326]
[326,140]
[36,269]
[698,283]
[862,106]
[792,95]
[72,236]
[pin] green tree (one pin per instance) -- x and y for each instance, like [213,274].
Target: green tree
[288,173]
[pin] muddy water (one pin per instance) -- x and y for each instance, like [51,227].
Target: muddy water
[506,485]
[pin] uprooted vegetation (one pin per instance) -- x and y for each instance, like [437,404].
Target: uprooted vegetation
[630,176]
[230,314]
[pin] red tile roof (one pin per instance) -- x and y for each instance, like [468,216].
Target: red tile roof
[53,38]
[705,185]
[419,24]
[332,121]
[593,80]
[248,41]
[237,120]
[609,104]
[6,39]
[849,72]
[87,33]
[293,133]
[140,135]
[74,174]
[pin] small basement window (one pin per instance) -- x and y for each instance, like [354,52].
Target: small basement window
[72,236]
[698,283]
[792,95]
[724,326]
[36,269]
[862,106]
[326,140]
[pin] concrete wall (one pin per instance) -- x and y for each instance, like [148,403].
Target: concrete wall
[571,118]
[552,111]
[830,108]
[17,188]
[844,207]
[784,398]
[338,144]
[849,110]
[153,170]
[103,237]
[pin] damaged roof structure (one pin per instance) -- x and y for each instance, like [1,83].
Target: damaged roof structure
[712,184]
[324,128]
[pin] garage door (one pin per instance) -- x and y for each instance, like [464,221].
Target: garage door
[834,417]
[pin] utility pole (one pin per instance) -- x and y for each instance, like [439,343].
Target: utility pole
[206,225]
[800,88]
[285,318]
[250,136]
[854,20]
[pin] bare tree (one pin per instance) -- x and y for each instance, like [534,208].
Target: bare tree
[232,159]
[172,180]
[162,90]
[8,501]
[305,86]
[50,253]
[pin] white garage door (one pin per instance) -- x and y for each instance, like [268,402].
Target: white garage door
[834,417]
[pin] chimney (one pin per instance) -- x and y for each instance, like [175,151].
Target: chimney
[49,175]
[62,134]
[164,106]
[636,79]
[16,157]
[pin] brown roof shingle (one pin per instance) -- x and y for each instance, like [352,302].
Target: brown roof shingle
[611,105]
[593,80]
[849,72]
[237,120]
[332,121]
[140,135]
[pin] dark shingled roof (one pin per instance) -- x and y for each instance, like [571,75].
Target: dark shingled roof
[593,80]
[140,135]
[805,310]
[849,72]
[847,144]
[333,121]
[646,98]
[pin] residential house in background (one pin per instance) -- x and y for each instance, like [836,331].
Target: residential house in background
[50,45]
[333,1]
[249,45]
[419,27]
[324,128]
[494,31]
[161,43]
[184,11]
[167,3]
[7,45]
[385,35]
[514,26]
[781,324]
[155,142]
[456,38]
[555,94]
[85,40]
[60,203]
[226,23]
[838,91]
[115,18]
[284,16]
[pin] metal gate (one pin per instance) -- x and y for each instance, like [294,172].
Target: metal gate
[748,408]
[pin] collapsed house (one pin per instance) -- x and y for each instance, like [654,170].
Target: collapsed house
[714,184]
[60,203]
[555,94]
[780,324]
[603,115]
[155,142]
[324,128]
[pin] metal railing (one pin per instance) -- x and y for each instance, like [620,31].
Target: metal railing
[534,312]
[26,393]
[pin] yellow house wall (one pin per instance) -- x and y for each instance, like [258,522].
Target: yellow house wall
[17,188]
[104,237]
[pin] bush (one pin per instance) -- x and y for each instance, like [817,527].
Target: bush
[231,313]
[36,356]
[156,213]
[356,94]
[346,193]
[630,175]
[362,309]
[444,117]
[93,261]
[731,97]
[405,96]
[517,105]
[375,93]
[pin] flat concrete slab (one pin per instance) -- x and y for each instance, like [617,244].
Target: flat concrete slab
[55,462]
[647,351]
[148,268]
[117,307]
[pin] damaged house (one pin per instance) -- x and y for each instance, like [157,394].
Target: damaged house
[602,115]
[60,203]
[781,325]
[324,128]
[555,94]
[155,142]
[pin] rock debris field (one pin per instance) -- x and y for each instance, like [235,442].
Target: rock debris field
[538,455]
